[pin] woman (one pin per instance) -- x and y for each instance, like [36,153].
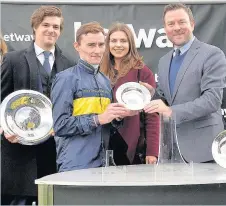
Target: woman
[3,48]
[122,63]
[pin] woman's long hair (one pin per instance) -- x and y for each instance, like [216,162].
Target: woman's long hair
[3,46]
[131,60]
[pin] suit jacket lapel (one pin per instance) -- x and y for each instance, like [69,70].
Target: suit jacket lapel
[166,80]
[185,65]
[30,55]
[59,61]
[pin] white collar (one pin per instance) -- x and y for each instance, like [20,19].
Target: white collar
[39,50]
[186,47]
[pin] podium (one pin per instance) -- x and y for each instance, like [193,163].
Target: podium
[170,184]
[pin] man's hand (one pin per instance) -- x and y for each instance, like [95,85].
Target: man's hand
[11,138]
[151,160]
[52,133]
[113,111]
[158,106]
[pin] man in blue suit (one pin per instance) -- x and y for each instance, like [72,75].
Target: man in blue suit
[191,79]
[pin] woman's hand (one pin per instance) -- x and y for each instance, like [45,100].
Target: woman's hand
[151,160]
[149,87]
[131,113]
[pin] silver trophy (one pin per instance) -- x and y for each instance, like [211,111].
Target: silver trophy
[133,95]
[28,115]
[219,149]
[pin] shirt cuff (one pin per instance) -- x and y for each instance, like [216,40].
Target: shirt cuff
[96,120]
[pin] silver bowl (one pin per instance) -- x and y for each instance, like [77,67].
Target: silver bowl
[133,95]
[28,115]
[219,149]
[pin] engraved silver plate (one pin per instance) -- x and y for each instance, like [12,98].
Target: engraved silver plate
[219,149]
[28,115]
[133,95]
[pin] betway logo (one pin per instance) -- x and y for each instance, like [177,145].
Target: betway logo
[18,37]
[145,36]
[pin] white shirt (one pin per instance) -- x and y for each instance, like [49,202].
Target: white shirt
[39,54]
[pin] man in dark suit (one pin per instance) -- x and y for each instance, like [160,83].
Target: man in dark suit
[33,68]
[191,78]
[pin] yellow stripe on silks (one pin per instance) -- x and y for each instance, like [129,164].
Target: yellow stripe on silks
[90,105]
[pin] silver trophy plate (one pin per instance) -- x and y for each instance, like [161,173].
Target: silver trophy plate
[219,149]
[133,95]
[28,115]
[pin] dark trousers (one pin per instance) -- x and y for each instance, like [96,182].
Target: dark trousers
[18,200]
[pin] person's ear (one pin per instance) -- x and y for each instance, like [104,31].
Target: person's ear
[76,46]
[192,25]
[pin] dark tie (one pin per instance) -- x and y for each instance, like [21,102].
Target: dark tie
[46,63]
[174,68]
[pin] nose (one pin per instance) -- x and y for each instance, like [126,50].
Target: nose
[97,49]
[118,43]
[50,29]
[176,27]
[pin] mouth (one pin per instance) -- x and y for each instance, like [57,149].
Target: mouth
[50,36]
[118,50]
[178,34]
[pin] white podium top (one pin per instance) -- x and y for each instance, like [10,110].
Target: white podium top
[140,175]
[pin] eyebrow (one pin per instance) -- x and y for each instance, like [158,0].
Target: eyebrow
[119,38]
[50,24]
[174,20]
[93,43]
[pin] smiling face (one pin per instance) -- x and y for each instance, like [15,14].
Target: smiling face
[119,44]
[91,47]
[178,26]
[47,33]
